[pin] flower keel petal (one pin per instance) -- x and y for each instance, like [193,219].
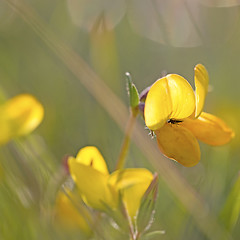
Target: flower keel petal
[178,143]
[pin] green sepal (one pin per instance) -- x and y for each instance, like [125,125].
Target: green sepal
[147,207]
[231,210]
[132,92]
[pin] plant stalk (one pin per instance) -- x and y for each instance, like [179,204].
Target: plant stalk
[126,142]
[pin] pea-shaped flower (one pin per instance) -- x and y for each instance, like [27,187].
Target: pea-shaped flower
[102,190]
[174,112]
[19,116]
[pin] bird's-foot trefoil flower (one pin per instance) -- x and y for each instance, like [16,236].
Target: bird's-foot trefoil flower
[174,112]
[103,191]
[19,116]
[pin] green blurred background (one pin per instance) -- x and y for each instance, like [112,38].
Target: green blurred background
[145,38]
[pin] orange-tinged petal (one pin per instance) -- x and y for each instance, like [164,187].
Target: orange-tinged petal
[19,116]
[178,143]
[93,185]
[201,87]
[132,183]
[209,129]
[169,97]
[91,156]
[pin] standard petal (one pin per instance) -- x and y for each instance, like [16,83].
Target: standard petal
[132,183]
[182,97]
[169,97]
[201,87]
[158,105]
[209,129]
[178,143]
[19,116]
[91,156]
[92,185]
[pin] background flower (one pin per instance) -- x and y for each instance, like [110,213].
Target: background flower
[19,116]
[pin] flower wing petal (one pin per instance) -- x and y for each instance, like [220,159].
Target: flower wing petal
[178,143]
[209,129]
[91,156]
[92,184]
[201,87]
[169,97]
[132,183]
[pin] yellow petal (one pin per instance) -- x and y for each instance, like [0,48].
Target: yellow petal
[70,216]
[92,185]
[201,87]
[209,129]
[19,116]
[91,156]
[169,97]
[132,183]
[178,143]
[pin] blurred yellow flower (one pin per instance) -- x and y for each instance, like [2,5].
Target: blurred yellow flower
[19,116]
[102,190]
[174,112]
[68,215]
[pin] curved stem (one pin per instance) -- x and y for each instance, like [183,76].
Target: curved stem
[125,145]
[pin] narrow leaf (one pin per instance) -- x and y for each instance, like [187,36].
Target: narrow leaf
[231,210]
[152,235]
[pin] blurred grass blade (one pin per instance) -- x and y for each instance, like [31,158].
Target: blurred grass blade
[119,113]
[152,235]
[231,210]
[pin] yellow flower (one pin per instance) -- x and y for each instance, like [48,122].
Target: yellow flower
[69,216]
[19,116]
[174,112]
[102,190]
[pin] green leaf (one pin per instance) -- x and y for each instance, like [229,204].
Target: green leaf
[231,210]
[152,235]
[132,91]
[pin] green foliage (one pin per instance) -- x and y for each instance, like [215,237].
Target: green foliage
[31,173]
[231,210]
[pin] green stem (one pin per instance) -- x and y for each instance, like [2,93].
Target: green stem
[125,146]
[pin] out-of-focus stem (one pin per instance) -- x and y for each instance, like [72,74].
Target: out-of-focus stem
[126,142]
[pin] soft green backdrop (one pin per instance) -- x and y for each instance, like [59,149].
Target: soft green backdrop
[130,36]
